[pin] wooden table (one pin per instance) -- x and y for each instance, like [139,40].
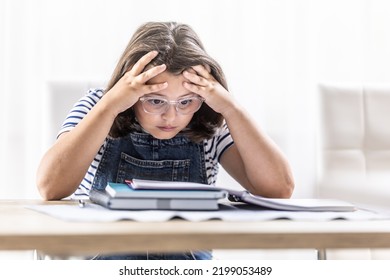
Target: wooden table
[24,229]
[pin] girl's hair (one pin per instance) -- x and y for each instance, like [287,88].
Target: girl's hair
[179,47]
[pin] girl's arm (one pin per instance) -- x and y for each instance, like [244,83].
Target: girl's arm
[64,165]
[254,160]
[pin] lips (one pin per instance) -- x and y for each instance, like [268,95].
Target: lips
[167,128]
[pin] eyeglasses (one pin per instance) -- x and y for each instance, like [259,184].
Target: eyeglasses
[184,106]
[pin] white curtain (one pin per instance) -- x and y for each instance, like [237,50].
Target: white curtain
[274,53]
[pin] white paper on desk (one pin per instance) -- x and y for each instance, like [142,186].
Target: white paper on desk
[96,213]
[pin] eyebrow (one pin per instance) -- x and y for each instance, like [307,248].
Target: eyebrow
[190,94]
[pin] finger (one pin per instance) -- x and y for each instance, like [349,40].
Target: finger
[142,62]
[208,68]
[194,88]
[195,78]
[202,71]
[151,73]
[191,70]
[154,87]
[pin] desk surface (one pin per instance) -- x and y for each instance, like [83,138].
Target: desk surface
[24,229]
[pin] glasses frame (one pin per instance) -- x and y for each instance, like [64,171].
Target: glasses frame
[171,102]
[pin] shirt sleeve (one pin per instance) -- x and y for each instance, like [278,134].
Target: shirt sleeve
[81,109]
[223,141]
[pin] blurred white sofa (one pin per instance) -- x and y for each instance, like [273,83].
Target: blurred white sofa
[354,162]
[354,151]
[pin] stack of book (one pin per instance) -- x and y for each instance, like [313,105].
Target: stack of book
[140,194]
[143,194]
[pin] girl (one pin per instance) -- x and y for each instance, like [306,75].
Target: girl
[166,114]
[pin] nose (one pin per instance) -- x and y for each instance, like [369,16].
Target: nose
[170,114]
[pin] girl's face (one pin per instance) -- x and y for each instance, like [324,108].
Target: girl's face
[166,125]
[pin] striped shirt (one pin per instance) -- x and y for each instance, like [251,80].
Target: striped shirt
[213,148]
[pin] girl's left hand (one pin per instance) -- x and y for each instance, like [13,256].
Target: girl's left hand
[204,84]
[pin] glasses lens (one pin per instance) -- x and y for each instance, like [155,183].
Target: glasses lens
[188,105]
[154,105]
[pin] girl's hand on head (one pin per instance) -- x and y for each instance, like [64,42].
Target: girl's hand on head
[201,82]
[133,84]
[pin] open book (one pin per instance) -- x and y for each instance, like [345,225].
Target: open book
[304,204]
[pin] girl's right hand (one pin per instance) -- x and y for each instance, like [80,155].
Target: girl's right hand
[127,91]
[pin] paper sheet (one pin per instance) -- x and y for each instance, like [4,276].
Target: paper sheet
[96,213]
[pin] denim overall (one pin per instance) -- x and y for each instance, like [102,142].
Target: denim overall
[141,156]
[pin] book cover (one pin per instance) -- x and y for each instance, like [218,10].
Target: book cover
[120,190]
[140,184]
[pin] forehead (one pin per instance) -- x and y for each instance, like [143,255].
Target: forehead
[175,84]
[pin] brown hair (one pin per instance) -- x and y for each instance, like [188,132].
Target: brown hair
[179,48]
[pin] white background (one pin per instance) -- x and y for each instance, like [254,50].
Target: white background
[274,54]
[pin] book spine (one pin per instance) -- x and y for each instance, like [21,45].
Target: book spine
[99,197]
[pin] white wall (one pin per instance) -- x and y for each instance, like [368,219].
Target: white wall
[274,54]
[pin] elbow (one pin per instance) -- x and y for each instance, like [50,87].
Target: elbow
[286,186]
[49,189]
[44,188]
[47,196]
[43,181]
[282,190]
[50,185]
[287,189]
[276,188]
